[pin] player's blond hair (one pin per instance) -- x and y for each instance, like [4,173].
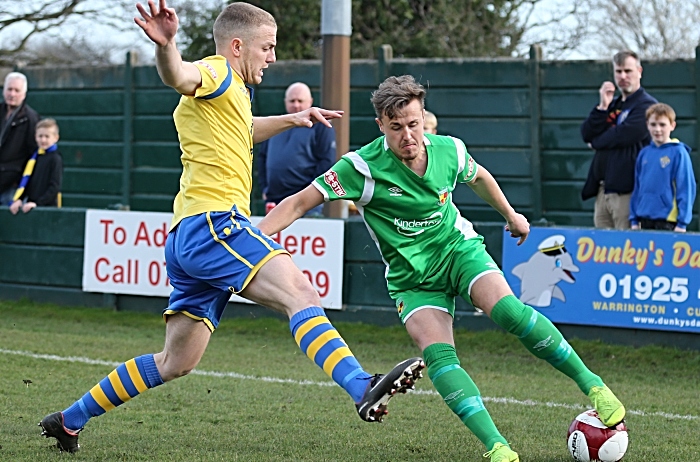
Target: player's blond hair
[395,93]
[47,123]
[661,110]
[240,20]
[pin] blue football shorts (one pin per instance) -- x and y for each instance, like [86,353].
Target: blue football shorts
[210,256]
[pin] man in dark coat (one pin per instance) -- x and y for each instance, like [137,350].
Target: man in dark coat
[17,126]
[617,130]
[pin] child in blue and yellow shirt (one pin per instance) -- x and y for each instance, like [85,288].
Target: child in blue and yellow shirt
[664,182]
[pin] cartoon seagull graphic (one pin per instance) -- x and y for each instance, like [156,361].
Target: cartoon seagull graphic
[542,272]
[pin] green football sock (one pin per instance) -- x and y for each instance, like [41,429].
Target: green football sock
[460,393]
[543,340]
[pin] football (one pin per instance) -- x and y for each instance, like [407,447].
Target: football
[591,441]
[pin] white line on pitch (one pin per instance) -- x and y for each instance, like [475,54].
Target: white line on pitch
[234,375]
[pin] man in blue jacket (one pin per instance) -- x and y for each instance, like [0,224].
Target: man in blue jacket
[290,161]
[617,130]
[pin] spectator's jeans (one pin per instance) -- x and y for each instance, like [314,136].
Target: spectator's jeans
[7,196]
[646,223]
[612,210]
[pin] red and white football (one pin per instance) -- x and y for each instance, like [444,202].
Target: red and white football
[589,440]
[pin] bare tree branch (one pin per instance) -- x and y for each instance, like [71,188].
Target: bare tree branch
[36,15]
[22,22]
[656,29]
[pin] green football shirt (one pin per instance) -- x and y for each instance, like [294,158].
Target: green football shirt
[411,218]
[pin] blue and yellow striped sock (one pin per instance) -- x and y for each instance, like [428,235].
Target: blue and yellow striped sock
[126,381]
[319,340]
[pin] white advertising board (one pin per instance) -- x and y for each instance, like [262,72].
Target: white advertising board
[124,253]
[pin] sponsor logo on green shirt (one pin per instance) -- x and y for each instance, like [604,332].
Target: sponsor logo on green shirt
[416,227]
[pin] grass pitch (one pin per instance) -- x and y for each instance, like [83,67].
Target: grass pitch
[255,397]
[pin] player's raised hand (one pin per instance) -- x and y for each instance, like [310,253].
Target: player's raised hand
[160,25]
[314,115]
[518,227]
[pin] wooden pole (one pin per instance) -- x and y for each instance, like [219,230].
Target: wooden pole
[336,27]
[535,116]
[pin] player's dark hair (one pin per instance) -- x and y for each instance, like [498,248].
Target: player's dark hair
[240,20]
[621,56]
[395,93]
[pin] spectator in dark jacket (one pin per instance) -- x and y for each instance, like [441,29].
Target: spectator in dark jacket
[43,174]
[17,127]
[617,130]
[290,161]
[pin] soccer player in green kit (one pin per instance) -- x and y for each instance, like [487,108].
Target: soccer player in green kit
[401,184]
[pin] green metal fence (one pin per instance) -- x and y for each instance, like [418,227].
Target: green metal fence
[520,118]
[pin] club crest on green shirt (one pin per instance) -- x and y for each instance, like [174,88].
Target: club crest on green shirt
[443,194]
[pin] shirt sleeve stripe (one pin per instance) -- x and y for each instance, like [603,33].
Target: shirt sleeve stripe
[461,158]
[223,87]
[359,163]
[362,167]
[321,190]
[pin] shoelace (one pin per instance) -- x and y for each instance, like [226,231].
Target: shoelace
[598,403]
[374,379]
[496,447]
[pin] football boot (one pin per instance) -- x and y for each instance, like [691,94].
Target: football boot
[381,388]
[610,410]
[52,426]
[502,453]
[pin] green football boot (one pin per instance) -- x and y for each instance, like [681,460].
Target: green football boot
[502,453]
[610,410]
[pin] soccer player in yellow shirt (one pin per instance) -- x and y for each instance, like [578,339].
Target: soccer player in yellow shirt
[212,250]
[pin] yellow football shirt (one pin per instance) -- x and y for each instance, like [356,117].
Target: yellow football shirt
[215,129]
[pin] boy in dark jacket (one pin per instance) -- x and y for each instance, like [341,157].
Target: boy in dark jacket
[664,182]
[41,180]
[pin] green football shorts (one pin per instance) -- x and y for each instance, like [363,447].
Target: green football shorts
[467,262]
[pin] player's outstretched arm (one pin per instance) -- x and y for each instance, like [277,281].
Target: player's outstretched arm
[290,210]
[486,187]
[267,127]
[160,25]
